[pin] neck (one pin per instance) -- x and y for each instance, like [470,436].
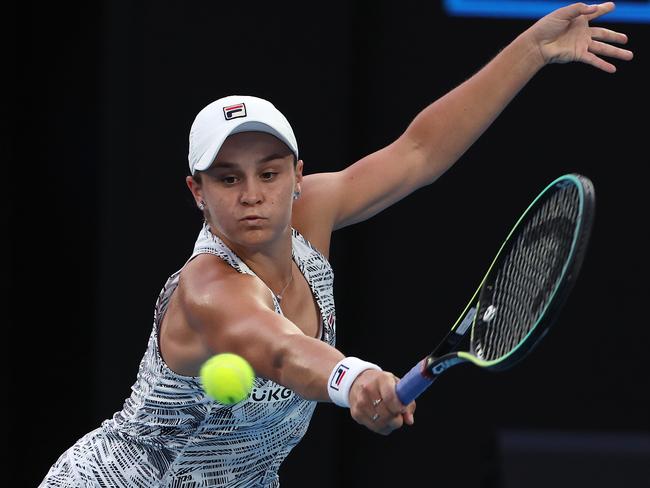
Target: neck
[277,274]
[272,262]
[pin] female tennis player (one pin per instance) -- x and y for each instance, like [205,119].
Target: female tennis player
[258,282]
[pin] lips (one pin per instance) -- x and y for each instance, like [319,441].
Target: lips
[252,218]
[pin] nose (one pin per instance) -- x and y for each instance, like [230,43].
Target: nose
[251,193]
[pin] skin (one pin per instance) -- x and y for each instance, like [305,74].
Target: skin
[217,309]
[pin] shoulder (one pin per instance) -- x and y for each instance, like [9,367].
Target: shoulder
[209,287]
[315,212]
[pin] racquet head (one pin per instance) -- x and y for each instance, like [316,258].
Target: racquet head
[524,289]
[533,273]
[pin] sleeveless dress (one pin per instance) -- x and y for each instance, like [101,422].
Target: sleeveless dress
[170,434]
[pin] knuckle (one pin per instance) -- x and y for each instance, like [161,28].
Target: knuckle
[355,414]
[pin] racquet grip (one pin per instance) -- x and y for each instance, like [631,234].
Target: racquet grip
[413,383]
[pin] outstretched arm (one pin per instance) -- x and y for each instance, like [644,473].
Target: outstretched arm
[232,312]
[439,135]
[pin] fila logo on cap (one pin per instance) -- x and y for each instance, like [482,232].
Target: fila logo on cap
[234,111]
[337,377]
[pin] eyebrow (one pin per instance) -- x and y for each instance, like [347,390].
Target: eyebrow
[265,159]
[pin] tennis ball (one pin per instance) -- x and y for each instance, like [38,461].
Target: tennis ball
[227,378]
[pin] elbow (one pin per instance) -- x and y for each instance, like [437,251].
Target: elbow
[294,367]
[424,158]
[280,360]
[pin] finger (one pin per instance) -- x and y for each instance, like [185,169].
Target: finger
[409,418]
[603,8]
[378,410]
[372,421]
[599,63]
[603,49]
[574,10]
[383,423]
[392,423]
[410,411]
[607,35]
[390,401]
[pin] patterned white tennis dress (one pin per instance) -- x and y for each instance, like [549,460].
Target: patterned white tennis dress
[169,434]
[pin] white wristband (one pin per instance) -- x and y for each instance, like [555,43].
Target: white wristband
[342,377]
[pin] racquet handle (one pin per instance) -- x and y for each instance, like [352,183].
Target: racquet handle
[413,383]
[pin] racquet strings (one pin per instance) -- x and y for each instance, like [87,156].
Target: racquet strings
[527,277]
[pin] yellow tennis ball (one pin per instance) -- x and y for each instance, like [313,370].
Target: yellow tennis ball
[228,378]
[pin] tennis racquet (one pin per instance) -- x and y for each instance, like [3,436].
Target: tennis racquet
[523,290]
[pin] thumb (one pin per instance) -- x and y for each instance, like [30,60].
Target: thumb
[601,9]
[409,418]
[575,10]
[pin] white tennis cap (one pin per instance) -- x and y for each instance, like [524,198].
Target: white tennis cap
[230,115]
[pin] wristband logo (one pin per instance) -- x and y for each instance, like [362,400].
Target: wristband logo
[337,377]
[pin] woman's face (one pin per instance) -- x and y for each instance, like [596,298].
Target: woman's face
[248,190]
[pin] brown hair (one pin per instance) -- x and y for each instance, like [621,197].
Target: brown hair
[197,175]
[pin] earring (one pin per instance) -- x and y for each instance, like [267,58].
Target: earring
[296,195]
[201,205]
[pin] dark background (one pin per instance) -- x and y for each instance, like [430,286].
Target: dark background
[101,99]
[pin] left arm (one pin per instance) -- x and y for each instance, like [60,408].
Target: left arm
[439,135]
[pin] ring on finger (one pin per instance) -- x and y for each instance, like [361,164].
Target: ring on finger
[376,402]
[375,417]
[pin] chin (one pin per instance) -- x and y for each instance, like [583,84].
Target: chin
[251,236]
[256,237]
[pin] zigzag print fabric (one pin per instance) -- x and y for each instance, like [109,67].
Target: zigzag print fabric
[169,434]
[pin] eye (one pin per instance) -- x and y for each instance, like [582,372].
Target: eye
[268,175]
[229,180]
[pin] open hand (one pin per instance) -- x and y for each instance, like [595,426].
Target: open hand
[564,36]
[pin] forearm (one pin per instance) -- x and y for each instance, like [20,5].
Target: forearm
[444,130]
[303,364]
[316,371]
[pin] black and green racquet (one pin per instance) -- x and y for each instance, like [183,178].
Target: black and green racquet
[523,290]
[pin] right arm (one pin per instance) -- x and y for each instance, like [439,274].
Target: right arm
[234,313]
